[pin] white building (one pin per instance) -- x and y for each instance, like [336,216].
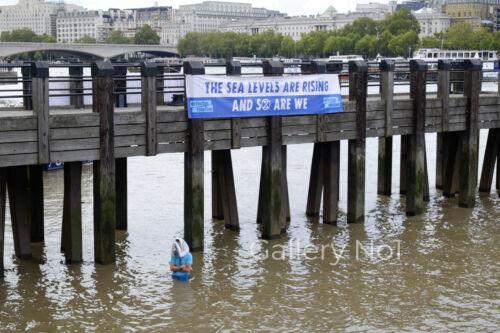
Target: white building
[374,9]
[431,21]
[295,26]
[72,26]
[37,15]
[287,26]
[209,16]
[131,20]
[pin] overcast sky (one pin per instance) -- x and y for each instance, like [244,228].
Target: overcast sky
[291,7]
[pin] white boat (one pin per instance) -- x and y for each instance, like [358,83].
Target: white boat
[488,57]
[345,58]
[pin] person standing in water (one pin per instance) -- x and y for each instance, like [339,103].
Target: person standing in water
[181,261]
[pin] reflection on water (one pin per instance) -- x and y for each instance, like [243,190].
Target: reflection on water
[444,278]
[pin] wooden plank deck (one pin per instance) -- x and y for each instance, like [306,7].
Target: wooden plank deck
[74,134]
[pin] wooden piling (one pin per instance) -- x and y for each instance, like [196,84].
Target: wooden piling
[121,193]
[358,87]
[27,92]
[224,203]
[76,86]
[19,202]
[470,137]
[149,74]
[451,161]
[160,85]
[490,158]
[3,188]
[443,93]
[120,86]
[416,155]
[315,182]
[331,169]
[72,212]
[194,174]
[325,166]
[226,188]
[40,82]
[498,157]
[35,174]
[384,182]
[272,200]
[104,168]
[403,166]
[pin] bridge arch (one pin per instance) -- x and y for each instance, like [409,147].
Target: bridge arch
[103,51]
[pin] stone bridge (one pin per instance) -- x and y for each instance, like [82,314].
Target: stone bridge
[104,51]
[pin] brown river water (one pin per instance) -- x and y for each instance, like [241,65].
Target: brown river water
[436,272]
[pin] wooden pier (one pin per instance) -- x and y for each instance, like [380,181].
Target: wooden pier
[108,132]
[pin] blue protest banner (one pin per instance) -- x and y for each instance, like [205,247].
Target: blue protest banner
[214,96]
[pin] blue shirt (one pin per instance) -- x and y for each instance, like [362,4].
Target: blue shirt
[178,261]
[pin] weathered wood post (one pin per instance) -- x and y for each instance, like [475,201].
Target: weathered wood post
[149,73]
[271,194]
[358,89]
[224,203]
[40,98]
[40,82]
[104,168]
[316,181]
[416,155]
[384,183]
[470,137]
[325,166]
[498,156]
[72,213]
[76,86]
[35,176]
[120,86]
[19,202]
[160,86]
[3,188]
[194,173]
[443,93]
[26,78]
[120,96]
[490,158]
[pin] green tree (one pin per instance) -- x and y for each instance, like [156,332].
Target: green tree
[47,39]
[24,35]
[403,44]
[86,39]
[339,44]
[430,42]
[367,46]
[459,36]
[190,44]
[362,26]
[146,36]
[400,22]
[287,47]
[117,37]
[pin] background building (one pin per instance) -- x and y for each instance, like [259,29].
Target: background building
[431,21]
[209,16]
[374,8]
[131,20]
[72,26]
[412,5]
[474,12]
[37,15]
[497,18]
